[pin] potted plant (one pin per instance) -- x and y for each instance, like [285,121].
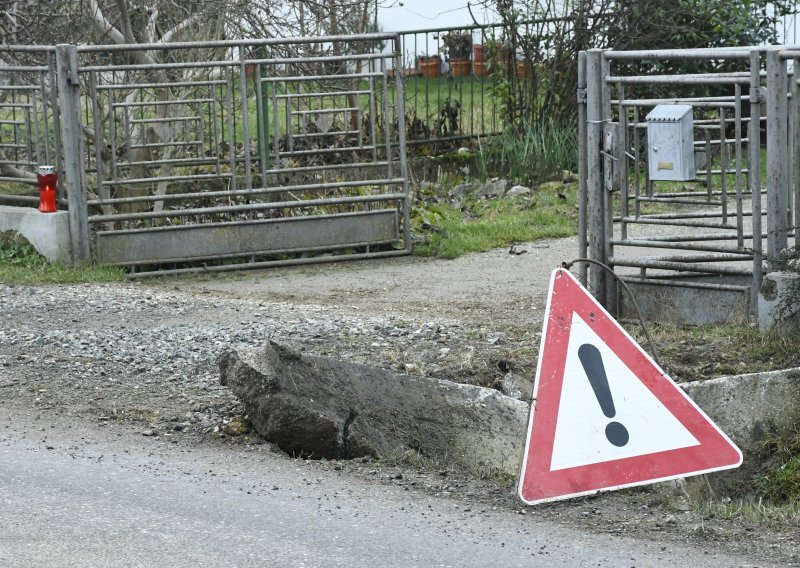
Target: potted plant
[485,57]
[429,66]
[458,46]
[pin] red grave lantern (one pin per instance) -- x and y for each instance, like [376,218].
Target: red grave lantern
[48,182]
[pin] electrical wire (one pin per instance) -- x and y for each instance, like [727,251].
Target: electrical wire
[654,352]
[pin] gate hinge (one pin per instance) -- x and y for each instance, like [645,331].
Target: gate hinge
[581,96]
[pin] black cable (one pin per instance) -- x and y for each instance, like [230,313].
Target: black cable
[568,265]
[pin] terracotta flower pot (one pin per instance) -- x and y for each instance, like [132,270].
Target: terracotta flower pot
[429,68]
[460,67]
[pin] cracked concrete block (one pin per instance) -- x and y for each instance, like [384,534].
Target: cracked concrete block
[324,408]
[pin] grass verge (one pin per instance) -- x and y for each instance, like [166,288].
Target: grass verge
[20,263]
[449,232]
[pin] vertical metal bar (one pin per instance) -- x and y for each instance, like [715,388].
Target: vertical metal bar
[622,162]
[289,126]
[276,129]
[26,119]
[69,98]
[37,131]
[45,120]
[215,129]
[387,120]
[582,164]
[709,186]
[263,150]
[608,196]
[401,139]
[723,158]
[795,145]
[52,70]
[98,136]
[372,111]
[777,158]
[737,112]
[754,176]
[594,188]
[790,137]
[637,161]
[359,120]
[248,171]
[231,129]
[112,136]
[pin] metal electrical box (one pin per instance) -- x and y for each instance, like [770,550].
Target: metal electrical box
[670,143]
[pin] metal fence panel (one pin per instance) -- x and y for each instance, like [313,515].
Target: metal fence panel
[707,231]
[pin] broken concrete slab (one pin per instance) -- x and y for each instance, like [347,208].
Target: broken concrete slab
[753,410]
[324,408]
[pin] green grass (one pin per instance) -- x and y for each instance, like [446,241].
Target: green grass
[493,224]
[424,99]
[531,153]
[756,512]
[20,263]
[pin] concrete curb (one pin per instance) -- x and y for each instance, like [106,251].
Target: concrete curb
[753,410]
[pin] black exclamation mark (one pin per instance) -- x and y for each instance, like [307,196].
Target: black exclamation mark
[592,363]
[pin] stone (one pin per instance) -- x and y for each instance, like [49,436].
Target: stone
[323,408]
[518,190]
[496,188]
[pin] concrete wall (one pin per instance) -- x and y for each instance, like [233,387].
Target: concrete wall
[47,232]
[752,410]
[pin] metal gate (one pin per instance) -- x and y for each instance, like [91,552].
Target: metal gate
[217,155]
[703,238]
[245,153]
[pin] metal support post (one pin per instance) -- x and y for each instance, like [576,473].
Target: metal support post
[596,205]
[69,101]
[777,154]
[397,55]
[608,197]
[754,175]
[582,168]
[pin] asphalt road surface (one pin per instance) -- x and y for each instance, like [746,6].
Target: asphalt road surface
[75,494]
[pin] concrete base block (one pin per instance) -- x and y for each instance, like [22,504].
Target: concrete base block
[47,232]
[752,410]
[685,302]
[775,311]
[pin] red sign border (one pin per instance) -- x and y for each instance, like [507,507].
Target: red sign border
[537,483]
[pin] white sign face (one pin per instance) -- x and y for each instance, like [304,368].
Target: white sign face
[650,426]
[604,415]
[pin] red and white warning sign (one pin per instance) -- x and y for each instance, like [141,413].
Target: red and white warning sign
[604,415]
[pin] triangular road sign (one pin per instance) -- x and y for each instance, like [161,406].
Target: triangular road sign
[604,415]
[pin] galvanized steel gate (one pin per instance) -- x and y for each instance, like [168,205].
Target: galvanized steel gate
[706,237]
[262,153]
[227,154]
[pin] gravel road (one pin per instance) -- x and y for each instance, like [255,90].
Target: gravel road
[140,357]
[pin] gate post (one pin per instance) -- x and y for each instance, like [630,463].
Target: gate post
[596,205]
[582,169]
[69,102]
[777,154]
[754,174]
[397,63]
